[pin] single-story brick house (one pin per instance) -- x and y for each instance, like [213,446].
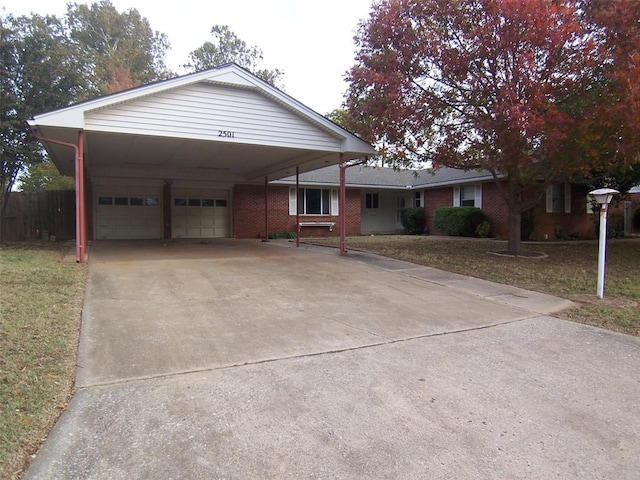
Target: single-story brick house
[215,154]
[376,195]
[189,157]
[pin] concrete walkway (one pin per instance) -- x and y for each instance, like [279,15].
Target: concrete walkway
[238,359]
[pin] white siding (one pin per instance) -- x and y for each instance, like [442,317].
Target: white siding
[383,218]
[202,111]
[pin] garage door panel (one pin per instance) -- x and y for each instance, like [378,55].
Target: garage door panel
[200,213]
[193,221]
[179,232]
[122,232]
[151,222]
[105,210]
[128,212]
[105,232]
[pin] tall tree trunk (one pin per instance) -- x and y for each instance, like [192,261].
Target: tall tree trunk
[514,215]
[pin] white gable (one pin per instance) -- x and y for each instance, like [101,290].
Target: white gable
[225,104]
[231,77]
[207,111]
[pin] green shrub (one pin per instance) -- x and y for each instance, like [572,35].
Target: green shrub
[273,236]
[462,221]
[413,220]
[482,230]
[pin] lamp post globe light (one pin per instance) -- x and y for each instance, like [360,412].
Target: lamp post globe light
[602,197]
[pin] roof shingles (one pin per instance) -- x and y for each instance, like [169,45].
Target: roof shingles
[381,177]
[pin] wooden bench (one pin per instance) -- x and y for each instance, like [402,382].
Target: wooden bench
[317,224]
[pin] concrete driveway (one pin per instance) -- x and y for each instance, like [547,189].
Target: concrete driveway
[240,359]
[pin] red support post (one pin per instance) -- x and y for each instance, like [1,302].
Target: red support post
[266,209]
[297,207]
[81,206]
[342,203]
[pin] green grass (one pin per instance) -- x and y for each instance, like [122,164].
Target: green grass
[569,270]
[40,306]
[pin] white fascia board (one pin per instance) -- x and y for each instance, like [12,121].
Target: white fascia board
[69,117]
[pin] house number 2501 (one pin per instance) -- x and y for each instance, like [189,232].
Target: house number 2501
[226,134]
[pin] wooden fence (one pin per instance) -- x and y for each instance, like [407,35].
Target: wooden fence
[47,215]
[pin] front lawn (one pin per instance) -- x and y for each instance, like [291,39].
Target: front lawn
[40,306]
[569,270]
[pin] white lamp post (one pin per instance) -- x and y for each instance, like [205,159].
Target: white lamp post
[603,197]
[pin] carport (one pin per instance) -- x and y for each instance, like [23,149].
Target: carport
[163,160]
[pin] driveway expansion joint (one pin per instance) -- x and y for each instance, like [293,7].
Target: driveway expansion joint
[388,341]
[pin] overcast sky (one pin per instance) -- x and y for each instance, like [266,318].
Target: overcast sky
[311,40]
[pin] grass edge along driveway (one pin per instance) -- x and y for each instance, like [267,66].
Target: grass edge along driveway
[40,310]
[568,270]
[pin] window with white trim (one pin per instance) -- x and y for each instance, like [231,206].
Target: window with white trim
[418,199]
[559,198]
[467,196]
[313,201]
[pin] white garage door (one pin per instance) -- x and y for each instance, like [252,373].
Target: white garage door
[200,213]
[128,212]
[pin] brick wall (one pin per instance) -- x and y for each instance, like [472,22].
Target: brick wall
[577,224]
[434,199]
[248,213]
[492,205]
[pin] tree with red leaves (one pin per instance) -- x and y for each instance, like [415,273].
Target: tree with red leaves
[514,88]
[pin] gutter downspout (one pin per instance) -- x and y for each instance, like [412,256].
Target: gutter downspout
[81,235]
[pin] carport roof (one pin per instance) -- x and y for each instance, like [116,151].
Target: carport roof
[224,124]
